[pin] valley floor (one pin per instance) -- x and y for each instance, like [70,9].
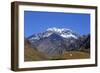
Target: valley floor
[33,55]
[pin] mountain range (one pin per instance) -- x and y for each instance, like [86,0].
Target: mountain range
[56,41]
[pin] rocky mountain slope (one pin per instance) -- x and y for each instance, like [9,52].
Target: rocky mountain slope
[58,41]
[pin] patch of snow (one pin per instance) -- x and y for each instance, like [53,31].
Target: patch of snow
[47,34]
[68,36]
[60,30]
[34,38]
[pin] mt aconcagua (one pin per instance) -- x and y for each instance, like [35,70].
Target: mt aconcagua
[55,41]
[65,33]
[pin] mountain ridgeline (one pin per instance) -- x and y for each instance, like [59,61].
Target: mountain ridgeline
[57,41]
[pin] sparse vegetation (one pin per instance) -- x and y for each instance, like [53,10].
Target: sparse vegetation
[72,55]
[33,55]
[30,54]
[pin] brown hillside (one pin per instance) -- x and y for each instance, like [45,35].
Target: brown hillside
[72,55]
[31,54]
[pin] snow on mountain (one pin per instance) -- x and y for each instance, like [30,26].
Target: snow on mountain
[68,36]
[63,32]
[59,30]
[55,41]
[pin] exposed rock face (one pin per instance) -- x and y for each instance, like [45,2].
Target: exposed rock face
[55,41]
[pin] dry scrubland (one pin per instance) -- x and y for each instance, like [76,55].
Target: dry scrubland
[31,54]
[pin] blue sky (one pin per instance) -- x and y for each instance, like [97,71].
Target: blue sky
[36,22]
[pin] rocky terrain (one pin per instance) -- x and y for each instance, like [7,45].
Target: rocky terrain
[56,44]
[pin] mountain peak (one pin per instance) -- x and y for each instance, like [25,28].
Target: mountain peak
[59,30]
[62,32]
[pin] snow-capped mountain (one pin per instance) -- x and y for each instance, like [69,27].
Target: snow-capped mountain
[55,41]
[63,32]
